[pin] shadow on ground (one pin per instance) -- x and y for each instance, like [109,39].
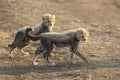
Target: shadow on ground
[60,67]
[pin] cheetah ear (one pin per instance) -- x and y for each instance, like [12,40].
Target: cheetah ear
[53,16]
[78,34]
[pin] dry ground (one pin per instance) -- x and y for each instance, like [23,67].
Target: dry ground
[100,17]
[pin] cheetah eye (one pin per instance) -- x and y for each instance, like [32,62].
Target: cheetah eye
[82,36]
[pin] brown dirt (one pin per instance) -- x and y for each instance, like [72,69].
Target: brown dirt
[100,17]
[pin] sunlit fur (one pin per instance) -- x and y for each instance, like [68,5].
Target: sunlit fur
[21,40]
[68,39]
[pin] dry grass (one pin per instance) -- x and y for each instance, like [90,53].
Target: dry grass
[100,17]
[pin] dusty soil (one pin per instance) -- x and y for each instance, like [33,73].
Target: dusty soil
[100,17]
